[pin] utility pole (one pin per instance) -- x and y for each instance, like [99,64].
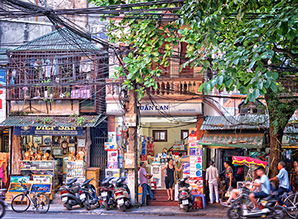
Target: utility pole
[131,118]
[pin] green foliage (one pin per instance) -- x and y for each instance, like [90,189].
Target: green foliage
[151,44]
[247,44]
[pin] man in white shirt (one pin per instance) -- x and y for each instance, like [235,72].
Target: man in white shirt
[212,180]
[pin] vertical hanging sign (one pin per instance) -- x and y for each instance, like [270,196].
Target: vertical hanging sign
[2,94]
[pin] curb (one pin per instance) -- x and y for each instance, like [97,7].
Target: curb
[191,214]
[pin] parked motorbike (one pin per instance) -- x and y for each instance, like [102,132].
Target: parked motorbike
[107,193]
[72,194]
[3,204]
[89,196]
[122,194]
[240,208]
[185,198]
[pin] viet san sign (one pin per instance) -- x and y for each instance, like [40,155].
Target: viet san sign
[54,131]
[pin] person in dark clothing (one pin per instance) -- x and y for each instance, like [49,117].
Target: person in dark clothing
[170,178]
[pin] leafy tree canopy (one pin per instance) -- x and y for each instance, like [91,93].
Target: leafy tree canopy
[244,45]
[249,44]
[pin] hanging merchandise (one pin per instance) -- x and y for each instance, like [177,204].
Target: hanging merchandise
[55,69]
[47,68]
[150,147]
[112,159]
[287,155]
[144,142]
[85,65]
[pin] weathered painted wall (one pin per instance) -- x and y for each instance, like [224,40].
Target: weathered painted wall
[40,108]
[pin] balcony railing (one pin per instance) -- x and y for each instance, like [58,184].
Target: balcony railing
[178,87]
[50,92]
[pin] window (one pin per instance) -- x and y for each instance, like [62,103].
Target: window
[184,134]
[160,135]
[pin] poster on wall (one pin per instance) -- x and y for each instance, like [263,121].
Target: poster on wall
[81,142]
[16,187]
[112,161]
[129,161]
[41,188]
[110,146]
[186,169]
[112,172]
[19,179]
[47,179]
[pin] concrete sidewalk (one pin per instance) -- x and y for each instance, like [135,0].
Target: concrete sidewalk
[210,211]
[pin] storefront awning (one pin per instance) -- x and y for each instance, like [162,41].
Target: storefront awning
[233,140]
[53,121]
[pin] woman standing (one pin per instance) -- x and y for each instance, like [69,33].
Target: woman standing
[294,176]
[170,178]
[228,175]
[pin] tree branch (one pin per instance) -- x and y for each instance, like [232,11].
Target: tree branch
[285,51]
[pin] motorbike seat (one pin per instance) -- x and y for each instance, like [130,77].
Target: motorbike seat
[71,181]
[270,199]
[86,182]
[183,188]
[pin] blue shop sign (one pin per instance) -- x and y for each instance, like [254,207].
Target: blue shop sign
[2,76]
[54,131]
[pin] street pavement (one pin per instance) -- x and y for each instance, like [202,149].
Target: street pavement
[212,211]
[12,215]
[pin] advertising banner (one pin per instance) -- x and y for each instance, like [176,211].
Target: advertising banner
[53,131]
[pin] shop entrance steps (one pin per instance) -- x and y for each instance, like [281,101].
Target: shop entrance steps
[161,199]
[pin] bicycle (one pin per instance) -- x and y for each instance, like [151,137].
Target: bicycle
[291,202]
[21,203]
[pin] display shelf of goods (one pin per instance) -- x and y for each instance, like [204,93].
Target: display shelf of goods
[76,169]
[37,165]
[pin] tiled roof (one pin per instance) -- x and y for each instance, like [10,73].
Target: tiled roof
[59,40]
[53,121]
[292,127]
[235,122]
[232,140]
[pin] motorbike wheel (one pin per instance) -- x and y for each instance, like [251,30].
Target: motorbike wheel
[106,206]
[186,208]
[2,209]
[122,208]
[278,213]
[87,203]
[68,206]
[234,213]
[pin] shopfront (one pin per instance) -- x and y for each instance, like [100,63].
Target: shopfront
[46,155]
[230,136]
[290,143]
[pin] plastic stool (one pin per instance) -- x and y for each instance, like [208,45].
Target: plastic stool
[202,196]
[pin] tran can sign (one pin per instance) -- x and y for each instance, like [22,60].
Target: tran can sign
[155,107]
[173,109]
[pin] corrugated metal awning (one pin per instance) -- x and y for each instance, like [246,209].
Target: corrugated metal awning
[236,122]
[233,140]
[53,121]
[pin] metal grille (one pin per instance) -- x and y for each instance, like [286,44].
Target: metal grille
[98,156]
